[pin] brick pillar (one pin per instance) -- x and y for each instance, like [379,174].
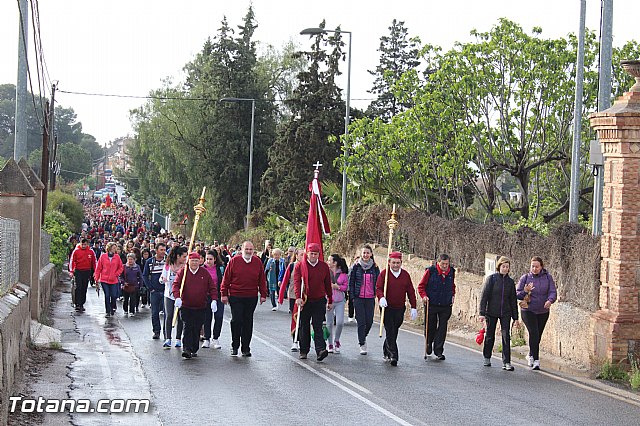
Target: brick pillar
[17,202]
[616,325]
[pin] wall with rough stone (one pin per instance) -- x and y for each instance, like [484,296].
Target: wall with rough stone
[15,321]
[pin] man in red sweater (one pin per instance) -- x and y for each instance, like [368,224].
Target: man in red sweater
[399,287]
[192,302]
[241,282]
[82,265]
[314,301]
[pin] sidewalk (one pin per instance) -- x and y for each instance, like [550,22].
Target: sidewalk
[96,362]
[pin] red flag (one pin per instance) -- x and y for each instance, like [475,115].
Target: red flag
[317,226]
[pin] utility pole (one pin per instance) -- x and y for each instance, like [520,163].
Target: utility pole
[44,165]
[20,133]
[574,190]
[53,140]
[604,102]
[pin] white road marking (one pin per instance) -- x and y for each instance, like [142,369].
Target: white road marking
[384,411]
[612,393]
[351,392]
[347,381]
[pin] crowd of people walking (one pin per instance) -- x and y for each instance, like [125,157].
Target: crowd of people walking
[130,259]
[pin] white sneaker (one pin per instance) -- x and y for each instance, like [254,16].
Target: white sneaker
[529,360]
[275,308]
[536,365]
[206,343]
[294,347]
[363,349]
[350,320]
[215,344]
[178,343]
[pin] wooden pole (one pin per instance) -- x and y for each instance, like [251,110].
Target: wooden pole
[199,209]
[392,223]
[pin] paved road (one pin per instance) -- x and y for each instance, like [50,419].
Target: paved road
[275,387]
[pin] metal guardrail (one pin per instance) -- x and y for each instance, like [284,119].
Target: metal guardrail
[9,253]
[45,248]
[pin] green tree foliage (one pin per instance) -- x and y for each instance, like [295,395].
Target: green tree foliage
[69,206]
[317,114]
[60,229]
[498,107]
[182,145]
[7,121]
[398,54]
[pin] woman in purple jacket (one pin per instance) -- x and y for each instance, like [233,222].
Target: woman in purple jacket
[539,284]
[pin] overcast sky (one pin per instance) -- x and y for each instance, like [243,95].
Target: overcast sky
[129,46]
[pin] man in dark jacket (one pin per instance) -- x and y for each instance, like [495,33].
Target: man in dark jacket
[151,277]
[499,303]
[437,289]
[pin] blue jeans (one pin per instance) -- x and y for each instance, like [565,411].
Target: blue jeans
[110,296]
[364,316]
[218,319]
[156,300]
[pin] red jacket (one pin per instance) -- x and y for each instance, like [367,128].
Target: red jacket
[319,280]
[244,279]
[196,288]
[108,270]
[82,259]
[398,289]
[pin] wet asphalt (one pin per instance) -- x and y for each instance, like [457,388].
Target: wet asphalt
[116,358]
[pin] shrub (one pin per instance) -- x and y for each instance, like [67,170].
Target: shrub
[69,206]
[634,376]
[57,224]
[517,337]
[612,372]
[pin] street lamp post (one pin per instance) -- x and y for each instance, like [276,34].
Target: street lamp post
[316,31]
[253,113]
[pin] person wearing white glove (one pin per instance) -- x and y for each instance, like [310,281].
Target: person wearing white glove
[392,299]
[214,306]
[192,302]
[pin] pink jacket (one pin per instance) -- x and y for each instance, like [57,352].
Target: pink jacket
[108,269]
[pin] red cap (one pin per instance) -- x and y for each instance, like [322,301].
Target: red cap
[313,247]
[395,255]
[194,255]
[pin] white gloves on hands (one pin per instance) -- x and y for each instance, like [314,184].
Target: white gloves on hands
[178,303]
[214,306]
[382,302]
[414,314]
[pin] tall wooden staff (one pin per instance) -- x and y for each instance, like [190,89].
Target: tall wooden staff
[200,210]
[392,223]
[295,336]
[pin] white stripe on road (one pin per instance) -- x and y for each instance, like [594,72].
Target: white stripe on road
[612,393]
[347,381]
[351,392]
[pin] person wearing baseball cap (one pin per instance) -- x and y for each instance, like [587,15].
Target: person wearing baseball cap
[399,287]
[193,301]
[313,301]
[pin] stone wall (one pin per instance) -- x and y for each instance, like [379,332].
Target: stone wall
[9,246]
[15,320]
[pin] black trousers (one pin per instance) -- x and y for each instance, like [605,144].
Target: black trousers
[535,326]
[350,305]
[314,313]
[490,337]
[242,309]
[393,319]
[130,301]
[82,283]
[193,319]
[438,319]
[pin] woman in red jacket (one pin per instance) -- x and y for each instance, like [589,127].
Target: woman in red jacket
[107,272]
